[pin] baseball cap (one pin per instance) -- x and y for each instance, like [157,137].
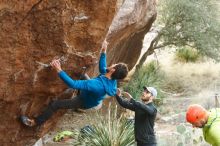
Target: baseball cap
[152,90]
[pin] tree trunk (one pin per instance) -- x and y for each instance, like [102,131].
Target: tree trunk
[149,51]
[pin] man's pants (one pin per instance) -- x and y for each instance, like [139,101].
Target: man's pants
[73,103]
[146,144]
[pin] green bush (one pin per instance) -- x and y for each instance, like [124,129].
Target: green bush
[108,130]
[187,55]
[148,75]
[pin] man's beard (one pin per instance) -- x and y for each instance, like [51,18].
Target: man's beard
[144,100]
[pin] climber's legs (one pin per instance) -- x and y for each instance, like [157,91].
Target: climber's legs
[74,103]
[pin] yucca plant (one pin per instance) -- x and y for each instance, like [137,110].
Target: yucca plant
[108,130]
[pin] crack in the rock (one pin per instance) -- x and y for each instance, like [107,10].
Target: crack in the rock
[29,12]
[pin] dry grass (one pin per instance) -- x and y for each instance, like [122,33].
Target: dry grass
[190,78]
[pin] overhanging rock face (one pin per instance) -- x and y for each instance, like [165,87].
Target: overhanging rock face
[131,23]
[34,32]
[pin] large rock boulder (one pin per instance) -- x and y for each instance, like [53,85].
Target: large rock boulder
[34,32]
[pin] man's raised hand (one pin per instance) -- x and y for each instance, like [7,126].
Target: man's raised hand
[127,95]
[118,92]
[104,46]
[56,65]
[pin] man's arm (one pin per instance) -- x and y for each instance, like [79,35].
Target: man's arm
[148,109]
[89,85]
[124,103]
[102,63]
[102,60]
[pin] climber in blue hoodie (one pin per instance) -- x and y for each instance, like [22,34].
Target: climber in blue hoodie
[92,91]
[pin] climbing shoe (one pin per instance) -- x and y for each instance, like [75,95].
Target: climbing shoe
[26,121]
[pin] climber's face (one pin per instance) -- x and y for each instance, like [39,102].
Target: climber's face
[111,68]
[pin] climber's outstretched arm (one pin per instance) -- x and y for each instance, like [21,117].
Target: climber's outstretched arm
[102,60]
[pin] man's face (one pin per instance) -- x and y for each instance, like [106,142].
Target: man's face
[111,67]
[199,124]
[146,95]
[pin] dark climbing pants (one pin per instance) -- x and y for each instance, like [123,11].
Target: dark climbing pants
[73,103]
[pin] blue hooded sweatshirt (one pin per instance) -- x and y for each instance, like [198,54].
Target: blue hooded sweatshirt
[93,91]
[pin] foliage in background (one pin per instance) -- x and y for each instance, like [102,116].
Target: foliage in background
[192,23]
[148,75]
[187,54]
[108,130]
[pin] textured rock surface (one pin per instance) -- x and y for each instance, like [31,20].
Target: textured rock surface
[34,32]
[132,22]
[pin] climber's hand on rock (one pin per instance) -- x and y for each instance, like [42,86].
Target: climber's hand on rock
[104,46]
[56,65]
